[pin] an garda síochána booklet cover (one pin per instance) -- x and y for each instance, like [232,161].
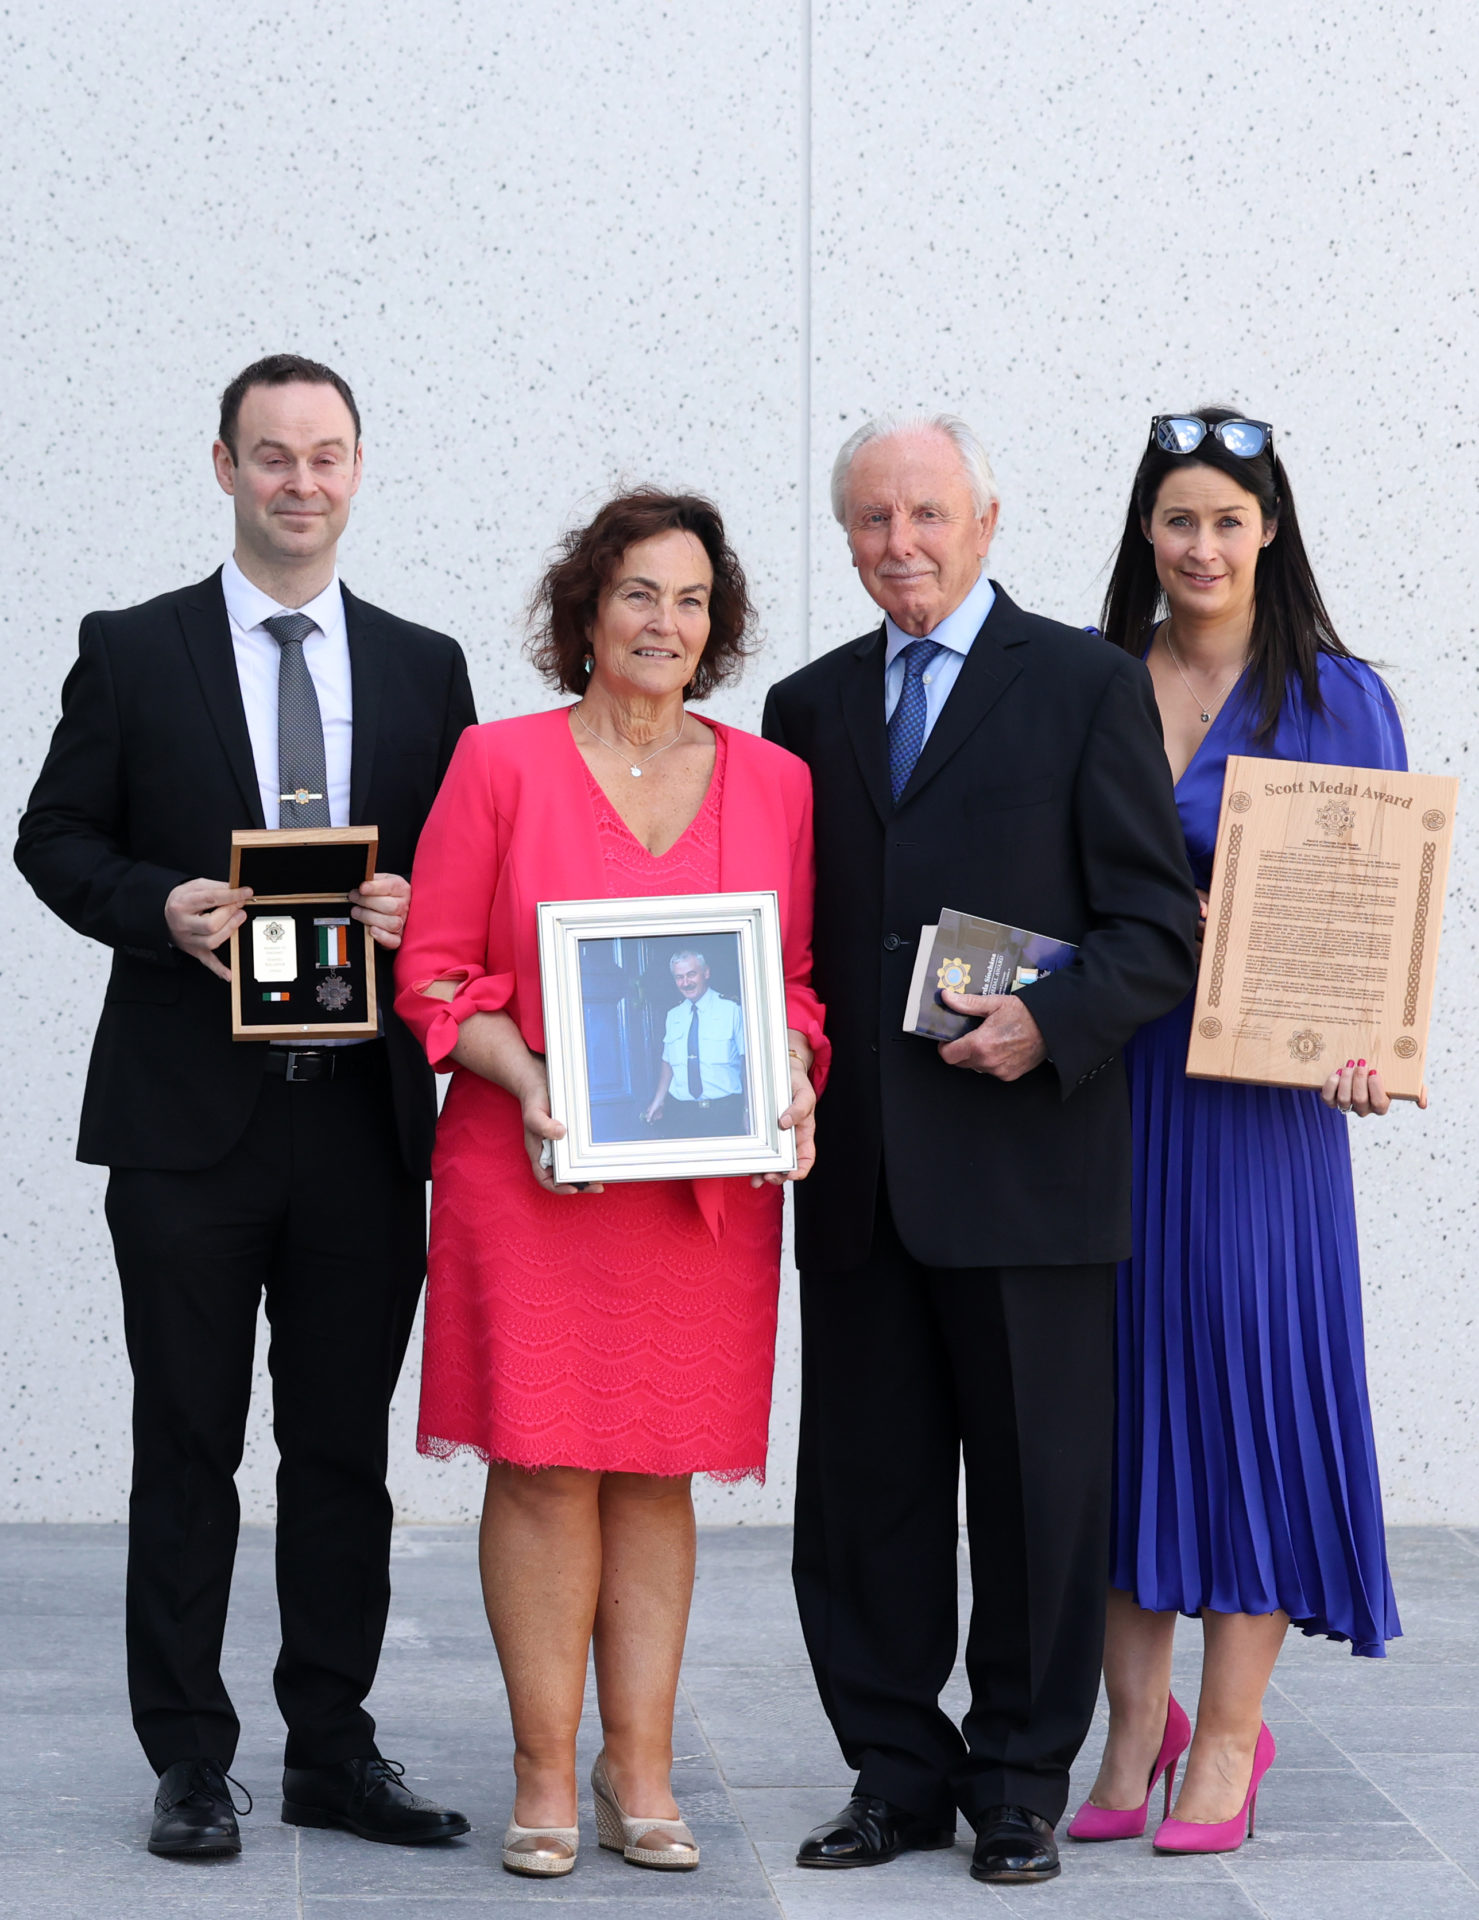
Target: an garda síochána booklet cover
[965,954]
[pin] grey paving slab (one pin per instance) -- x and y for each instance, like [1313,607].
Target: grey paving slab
[1220,1899]
[765,1628]
[1296,1890]
[778,1818]
[1437,1792]
[523,1898]
[733,1701]
[760,1760]
[1302,1741]
[1311,1799]
[1350,1841]
[1398,1680]
[64,1902]
[125,1883]
[1396,1727]
[914,1884]
[1369,1811]
[1105,1863]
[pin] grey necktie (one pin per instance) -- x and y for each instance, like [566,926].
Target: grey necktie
[303,788]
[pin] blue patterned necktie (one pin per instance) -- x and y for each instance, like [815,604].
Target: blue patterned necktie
[695,1076]
[906,725]
[303,787]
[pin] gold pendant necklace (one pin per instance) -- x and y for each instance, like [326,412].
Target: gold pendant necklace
[634,768]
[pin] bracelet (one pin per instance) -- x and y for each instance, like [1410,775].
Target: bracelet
[792,1054]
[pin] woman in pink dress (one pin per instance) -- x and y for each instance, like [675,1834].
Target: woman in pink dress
[597,1348]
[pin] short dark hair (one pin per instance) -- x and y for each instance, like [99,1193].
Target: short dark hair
[1291,625]
[279,370]
[565,601]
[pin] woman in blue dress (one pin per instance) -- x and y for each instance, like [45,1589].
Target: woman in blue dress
[1245,1476]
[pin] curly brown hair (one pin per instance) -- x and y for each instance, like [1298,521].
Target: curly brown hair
[565,602]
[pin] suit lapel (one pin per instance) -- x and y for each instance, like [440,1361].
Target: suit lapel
[985,674]
[862,711]
[207,632]
[367,680]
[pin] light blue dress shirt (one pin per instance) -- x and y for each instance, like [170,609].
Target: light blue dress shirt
[721,1046]
[955,632]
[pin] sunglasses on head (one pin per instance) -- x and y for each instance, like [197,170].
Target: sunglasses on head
[1185,432]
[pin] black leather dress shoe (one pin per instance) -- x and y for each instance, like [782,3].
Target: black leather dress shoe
[193,1811]
[1013,1843]
[365,1797]
[867,1832]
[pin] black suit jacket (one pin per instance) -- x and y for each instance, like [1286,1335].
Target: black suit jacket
[150,769]
[1042,798]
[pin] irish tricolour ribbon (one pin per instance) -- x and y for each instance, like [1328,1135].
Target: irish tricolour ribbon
[333,942]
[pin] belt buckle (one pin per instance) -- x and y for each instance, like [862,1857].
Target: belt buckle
[294,1055]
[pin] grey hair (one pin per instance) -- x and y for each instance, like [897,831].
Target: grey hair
[685,953]
[888,426]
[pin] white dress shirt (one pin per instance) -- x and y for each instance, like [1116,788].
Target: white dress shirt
[258,659]
[721,1046]
[258,655]
[955,632]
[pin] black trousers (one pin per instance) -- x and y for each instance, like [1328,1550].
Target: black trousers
[904,1368]
[315,1207]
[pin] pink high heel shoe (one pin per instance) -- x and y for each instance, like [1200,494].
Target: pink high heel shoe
[1220,1836]
[1128,1823]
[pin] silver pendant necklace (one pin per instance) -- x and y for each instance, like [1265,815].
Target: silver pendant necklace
[1204,708]
[634,768]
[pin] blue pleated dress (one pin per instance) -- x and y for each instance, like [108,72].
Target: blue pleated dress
[1245,1469]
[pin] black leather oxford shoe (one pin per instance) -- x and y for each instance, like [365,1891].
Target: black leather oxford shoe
[867,1832]
[365,1797]
[1013,1843]
[193,1811]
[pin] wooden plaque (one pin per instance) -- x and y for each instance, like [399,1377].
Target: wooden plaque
[1322,924]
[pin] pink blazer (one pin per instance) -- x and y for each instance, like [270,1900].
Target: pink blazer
[513,825]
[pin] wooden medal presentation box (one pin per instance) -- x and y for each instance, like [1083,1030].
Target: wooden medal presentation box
[1322,926]
[301,967]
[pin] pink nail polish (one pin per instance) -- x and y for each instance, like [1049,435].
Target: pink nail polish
[1349,1064]
[1360,1063]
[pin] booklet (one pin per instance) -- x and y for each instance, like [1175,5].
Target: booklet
[969,955]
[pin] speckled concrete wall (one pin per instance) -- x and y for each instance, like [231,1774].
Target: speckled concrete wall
[557,245]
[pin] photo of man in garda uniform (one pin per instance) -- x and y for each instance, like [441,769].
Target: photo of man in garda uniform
[703,1059]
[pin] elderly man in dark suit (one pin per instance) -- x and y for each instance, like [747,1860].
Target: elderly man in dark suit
[268,695]
[957,1239]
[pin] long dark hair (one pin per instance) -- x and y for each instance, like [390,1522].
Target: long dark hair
[1291,627]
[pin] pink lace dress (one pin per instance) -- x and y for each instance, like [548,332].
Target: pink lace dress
[611,1331]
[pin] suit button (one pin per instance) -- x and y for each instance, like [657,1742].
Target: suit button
[891,942]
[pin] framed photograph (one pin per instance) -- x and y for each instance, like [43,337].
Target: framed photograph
[665,1037]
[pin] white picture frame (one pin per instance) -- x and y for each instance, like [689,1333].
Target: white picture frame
[608,976]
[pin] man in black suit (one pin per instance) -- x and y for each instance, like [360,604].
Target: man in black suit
[265,696]
[958,1236]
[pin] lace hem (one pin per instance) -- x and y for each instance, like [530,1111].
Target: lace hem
[435,1448]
